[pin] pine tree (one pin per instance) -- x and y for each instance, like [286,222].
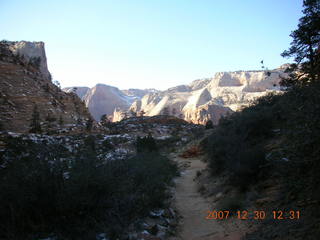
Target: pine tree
[209,124]
[133,113]
[89,124]
[60,120]
[305,46]
[104,121]
[35,126]
[142,113]
[165,111]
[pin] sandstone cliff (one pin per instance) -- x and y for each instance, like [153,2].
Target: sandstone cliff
[80,91]
[210,98]
[25,83]
[104,99]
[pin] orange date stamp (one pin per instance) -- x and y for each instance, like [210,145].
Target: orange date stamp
[255,215]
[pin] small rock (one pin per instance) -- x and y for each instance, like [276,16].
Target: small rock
[156,213]
[102,236]
[146,236]
[263,201]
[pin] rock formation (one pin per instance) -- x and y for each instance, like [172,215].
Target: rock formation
[210,98]
[104,99]
[80,91]
[25,83]
[31,51]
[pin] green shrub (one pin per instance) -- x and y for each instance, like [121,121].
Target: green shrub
[146,144]
[209,124]
[45,190]
[236,145]
[232,203]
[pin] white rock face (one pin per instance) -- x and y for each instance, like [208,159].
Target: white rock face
[103,99]
[202,100]
[211,98]
[137,93]
[80,91]
[32,50]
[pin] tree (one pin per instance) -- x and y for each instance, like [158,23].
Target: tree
[60,120]
[35,61]
[165,111]
[35,126]
[209,124]
[50,118]
[305,46]
[89,124]
[142,113]
[146,144]
[57,83]
[124,115]
[132,113]
[105,121]
[47,88]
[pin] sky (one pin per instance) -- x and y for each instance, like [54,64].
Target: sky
[151,43]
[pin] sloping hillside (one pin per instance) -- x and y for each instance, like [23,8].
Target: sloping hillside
[26,86]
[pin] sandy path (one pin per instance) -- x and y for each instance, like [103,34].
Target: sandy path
[194,208]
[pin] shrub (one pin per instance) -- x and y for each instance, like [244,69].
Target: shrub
[209,124]
[231,203]
[35,125]
[89,124]
[46,190]
[146,144]
[236,145]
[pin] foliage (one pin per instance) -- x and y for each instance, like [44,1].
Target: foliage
[236,145]
[35,125]
[146,144]
[46,191]
[89,124]
[50,118]
[232,203]
[35,61]
[305,46]
[60,120]
[105,122]
[57,83]
[209,124]
[165,111]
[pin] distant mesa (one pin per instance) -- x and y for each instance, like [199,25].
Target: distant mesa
[105,99]
[210,98]
[200,101]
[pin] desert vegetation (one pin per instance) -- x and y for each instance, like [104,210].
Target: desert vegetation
[277,136]
[50,192]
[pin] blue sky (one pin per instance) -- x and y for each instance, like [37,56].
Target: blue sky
[151,43]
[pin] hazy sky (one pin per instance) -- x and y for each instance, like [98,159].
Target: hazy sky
[151,43]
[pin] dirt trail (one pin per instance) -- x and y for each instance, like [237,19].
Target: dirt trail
[193,208]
